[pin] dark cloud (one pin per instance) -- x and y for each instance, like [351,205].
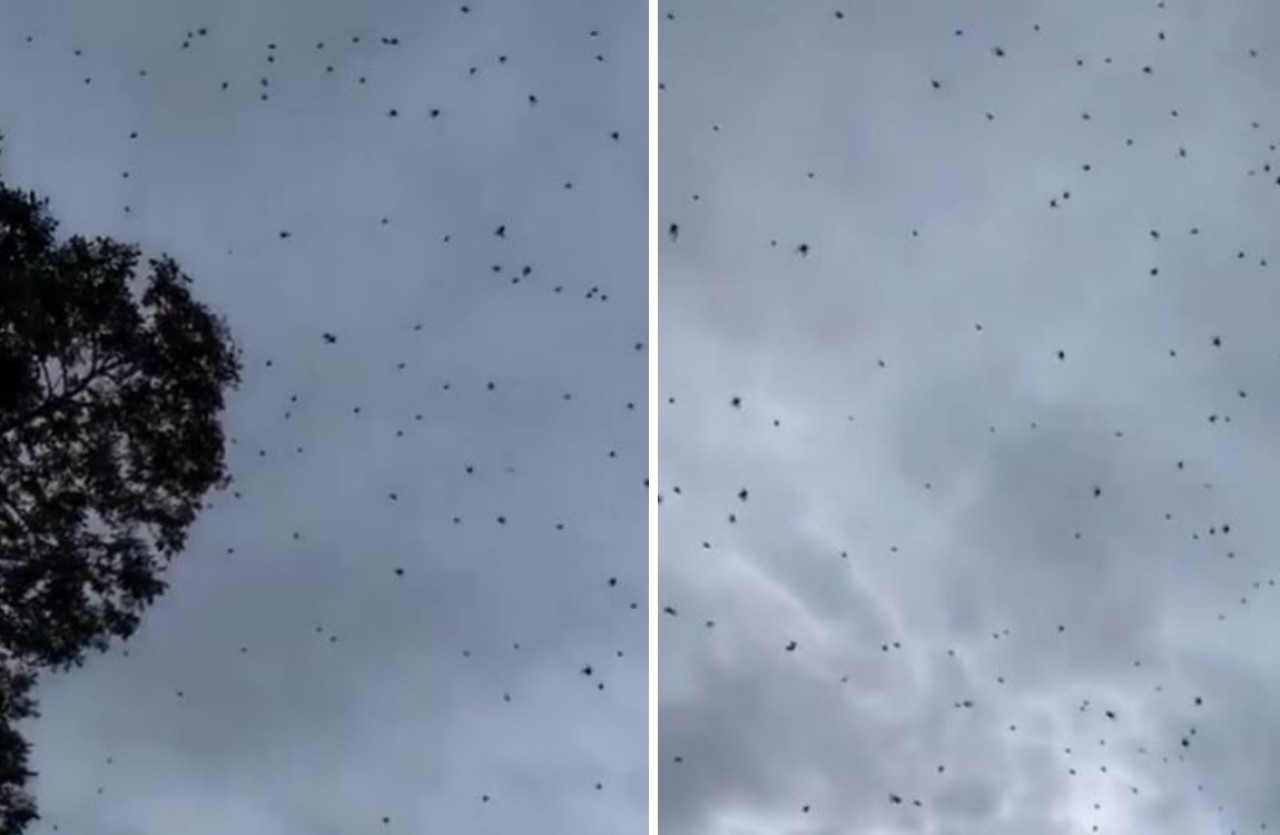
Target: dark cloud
[930,330]
[388,615]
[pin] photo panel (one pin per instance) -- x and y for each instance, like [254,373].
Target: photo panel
[968,392]
[323,422]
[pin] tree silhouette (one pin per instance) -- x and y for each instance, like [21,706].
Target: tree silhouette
[112,388]
[17,808]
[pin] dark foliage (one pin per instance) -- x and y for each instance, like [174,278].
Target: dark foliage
[111,394]
[17,807]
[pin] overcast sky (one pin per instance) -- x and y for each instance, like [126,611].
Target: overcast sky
[290,680]
[942,510]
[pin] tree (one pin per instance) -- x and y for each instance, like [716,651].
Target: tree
[17,807]
[112,388]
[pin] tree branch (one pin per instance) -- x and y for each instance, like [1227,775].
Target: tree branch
[52,404]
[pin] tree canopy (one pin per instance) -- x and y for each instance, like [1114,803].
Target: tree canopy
[112,387]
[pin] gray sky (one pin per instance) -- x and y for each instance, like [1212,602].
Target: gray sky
[944,502]
[395,706]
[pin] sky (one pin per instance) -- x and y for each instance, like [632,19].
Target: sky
[457,194]
[968,389]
